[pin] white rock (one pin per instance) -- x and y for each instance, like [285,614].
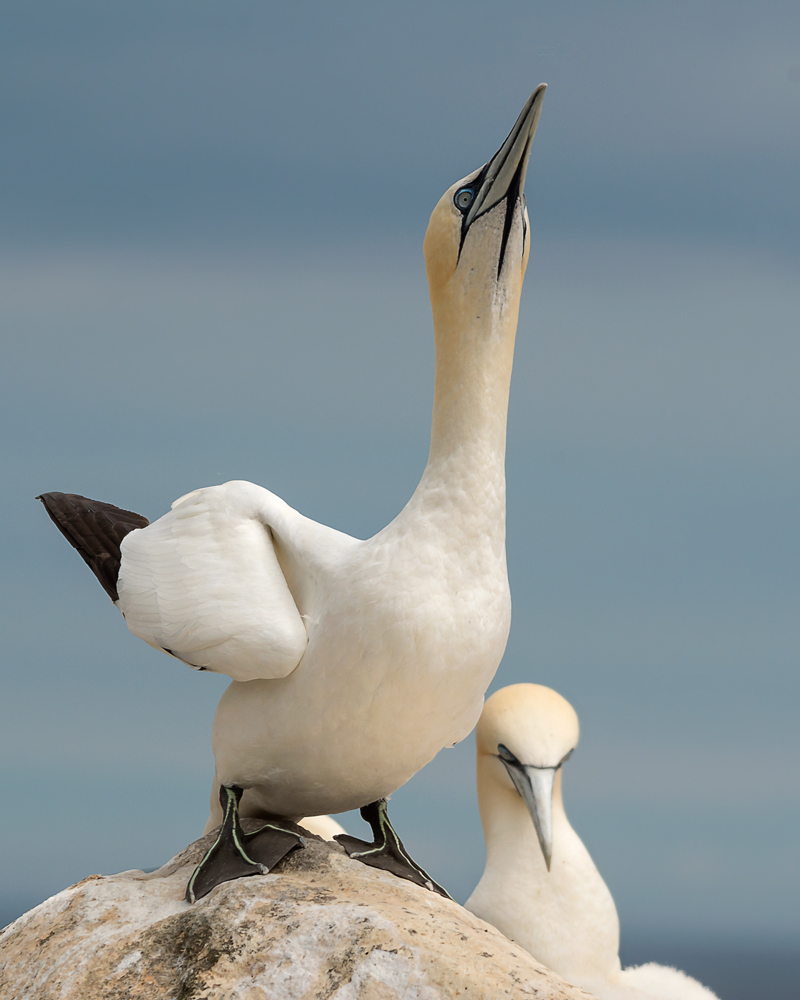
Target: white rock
[320,926]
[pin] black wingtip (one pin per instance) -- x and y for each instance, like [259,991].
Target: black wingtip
[96,530]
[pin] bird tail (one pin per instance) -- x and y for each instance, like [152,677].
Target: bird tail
[96,530]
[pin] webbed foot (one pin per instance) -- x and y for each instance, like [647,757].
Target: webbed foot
[235,854]
[387,851]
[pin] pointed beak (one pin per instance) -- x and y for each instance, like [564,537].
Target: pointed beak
[504,175]
[535,786]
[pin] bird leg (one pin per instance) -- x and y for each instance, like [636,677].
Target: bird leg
[387,851]
[235,853]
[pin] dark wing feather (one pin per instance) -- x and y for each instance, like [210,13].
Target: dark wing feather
[96,530]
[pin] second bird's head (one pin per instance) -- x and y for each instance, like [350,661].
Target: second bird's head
[525,733]
[477,241]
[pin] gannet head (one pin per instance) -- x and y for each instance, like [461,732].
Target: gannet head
[477,237]
[529,731]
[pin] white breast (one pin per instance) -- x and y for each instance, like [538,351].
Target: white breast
[401,649]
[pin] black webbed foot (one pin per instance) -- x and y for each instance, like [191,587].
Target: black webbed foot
[387,851]
[235,854]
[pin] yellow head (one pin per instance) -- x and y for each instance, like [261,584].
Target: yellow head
[476,246]
[535,723]
[525,733]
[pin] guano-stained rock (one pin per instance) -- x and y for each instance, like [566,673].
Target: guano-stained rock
[320,927]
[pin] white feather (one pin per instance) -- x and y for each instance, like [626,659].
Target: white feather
[204,583]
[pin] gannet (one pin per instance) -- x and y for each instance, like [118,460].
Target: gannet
[540,886]
[323,826]
[353,662]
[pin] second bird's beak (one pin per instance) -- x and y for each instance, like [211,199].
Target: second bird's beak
[504,175]
[535,786]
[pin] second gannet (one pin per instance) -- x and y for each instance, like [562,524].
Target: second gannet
[323,826]
[540,886]
[352,662]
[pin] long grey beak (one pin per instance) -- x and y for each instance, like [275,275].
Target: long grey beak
[535,786]
[504,174]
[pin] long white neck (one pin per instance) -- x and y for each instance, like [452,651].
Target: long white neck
[475,328]
[566,917]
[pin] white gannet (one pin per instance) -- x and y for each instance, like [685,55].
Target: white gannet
[353,662]
[540,886]
[323,826]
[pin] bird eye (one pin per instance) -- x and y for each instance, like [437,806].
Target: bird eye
[566,757]
[505,754]
[463,198]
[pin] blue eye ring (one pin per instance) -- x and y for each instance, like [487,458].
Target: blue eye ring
[506,755]
[463,198]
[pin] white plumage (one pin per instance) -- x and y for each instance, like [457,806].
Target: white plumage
[204,582]
[354,662]
[323,826]
[563,914]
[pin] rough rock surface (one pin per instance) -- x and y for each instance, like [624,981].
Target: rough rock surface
[319,926]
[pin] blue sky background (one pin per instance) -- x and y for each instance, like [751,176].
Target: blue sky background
[211,268]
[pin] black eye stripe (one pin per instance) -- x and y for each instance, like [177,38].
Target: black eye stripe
[506,755]
[474,185]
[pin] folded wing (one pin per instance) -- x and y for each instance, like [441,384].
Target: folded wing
[204,584]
